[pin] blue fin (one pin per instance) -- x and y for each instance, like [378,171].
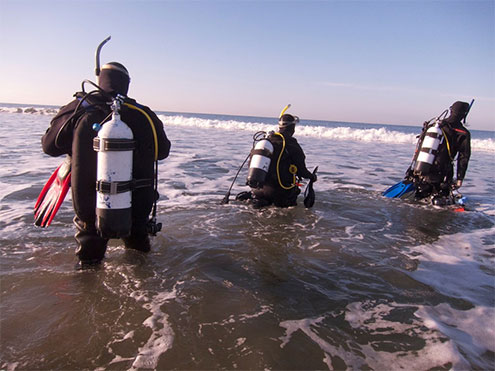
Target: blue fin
[400,190]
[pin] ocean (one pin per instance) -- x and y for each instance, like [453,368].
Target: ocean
[359,281]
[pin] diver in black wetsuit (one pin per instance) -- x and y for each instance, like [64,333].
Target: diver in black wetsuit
[280,187]
[71,132]
[457,142]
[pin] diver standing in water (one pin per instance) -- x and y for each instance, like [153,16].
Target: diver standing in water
[432,170]
[73,131]
[275,163]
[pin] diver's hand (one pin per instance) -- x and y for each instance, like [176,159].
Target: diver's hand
[458,184]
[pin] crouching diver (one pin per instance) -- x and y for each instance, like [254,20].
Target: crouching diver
[442,142]
[73,131]
[276,160]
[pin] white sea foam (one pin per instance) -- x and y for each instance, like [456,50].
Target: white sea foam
[470,327]
[373,319]
[30,110]
[343,133]
[458,265]
[162,336]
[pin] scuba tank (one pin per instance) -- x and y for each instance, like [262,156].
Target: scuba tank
[428,145]
[261,156]
[115,146]
[428,149]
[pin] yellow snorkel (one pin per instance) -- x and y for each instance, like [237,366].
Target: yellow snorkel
[283,111]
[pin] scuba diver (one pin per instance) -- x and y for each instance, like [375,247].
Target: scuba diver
[73,131]
[276,160]
[431,174]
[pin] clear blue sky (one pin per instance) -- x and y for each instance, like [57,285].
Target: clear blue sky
[393,62]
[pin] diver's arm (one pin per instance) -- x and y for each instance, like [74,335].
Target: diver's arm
[464,147]
[163,142]
[57,139]
[299,159]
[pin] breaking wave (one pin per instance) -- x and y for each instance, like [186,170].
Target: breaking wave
[341,133]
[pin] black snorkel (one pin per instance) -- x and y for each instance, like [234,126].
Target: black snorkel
[97,55]
[469,109]
[86,95]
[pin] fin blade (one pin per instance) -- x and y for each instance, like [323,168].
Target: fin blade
[52,195]
[309,193]
[45,189]
[399,190]
[61,197]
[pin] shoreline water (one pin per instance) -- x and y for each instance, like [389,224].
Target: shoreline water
[358,281]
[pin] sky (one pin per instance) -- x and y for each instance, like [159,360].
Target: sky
[390,62]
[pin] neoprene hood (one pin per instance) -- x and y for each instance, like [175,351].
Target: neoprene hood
[458,111]
[114,78]
[287,120]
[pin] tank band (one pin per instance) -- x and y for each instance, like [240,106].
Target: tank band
[433,135]
[111,144]
[262,152]
[429,150]
[122,187]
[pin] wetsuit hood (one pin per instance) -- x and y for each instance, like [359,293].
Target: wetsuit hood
[114,79]
[287,124]
[287,131]
[458,111]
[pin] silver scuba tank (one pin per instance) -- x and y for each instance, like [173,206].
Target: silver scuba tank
[259,163]
[115,146]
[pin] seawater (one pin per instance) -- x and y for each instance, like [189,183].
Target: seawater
[357,282]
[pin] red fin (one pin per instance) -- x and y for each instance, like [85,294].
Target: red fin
[52,195]
[46,188]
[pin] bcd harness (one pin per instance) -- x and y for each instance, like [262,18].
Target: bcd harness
[261,157]
[292,167]
[112,188]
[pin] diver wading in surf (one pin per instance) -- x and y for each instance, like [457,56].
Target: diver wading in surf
[276,161]
[442,142]
[113,144]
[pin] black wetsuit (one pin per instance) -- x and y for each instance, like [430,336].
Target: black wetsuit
[272,191]
[75,138]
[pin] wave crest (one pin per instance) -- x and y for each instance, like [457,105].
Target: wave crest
[30,110]
[342,133]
